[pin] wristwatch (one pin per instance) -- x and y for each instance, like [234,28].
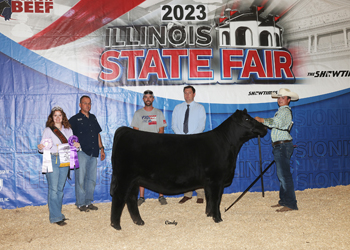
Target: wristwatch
[102,147]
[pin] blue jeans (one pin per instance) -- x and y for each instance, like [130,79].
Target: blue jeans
[85,179]
[56,181]
[282,154]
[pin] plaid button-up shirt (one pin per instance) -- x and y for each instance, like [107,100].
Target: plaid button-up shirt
[279,124]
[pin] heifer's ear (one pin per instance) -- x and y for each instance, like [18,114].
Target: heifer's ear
[245,111]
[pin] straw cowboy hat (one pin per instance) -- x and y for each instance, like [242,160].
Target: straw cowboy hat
[286,92]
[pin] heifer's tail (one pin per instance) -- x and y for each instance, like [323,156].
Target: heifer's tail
[114,183]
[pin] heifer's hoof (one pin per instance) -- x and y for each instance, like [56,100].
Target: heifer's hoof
[115,226]
[217,220]
[207,212]
[139,222]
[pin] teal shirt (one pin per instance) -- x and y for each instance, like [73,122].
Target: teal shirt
[279,124]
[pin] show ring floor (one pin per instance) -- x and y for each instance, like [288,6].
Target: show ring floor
[322,222]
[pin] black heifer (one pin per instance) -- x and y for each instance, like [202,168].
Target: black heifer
[174,164]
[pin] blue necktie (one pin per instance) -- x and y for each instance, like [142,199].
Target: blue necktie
[186,119]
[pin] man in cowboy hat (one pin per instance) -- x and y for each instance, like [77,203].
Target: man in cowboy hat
[283,147]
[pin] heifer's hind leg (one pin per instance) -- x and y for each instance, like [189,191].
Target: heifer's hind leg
[132,206]
[214,196]
[208,202]
[120,195]
[116,211]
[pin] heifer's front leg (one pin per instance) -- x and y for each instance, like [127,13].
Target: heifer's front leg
[131,202]
[215,194]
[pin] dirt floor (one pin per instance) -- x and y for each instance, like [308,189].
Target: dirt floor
[322,222]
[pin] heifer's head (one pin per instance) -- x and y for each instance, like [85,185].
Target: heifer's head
[250,127]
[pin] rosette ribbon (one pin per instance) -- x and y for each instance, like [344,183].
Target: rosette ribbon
[47,163]
[73,152]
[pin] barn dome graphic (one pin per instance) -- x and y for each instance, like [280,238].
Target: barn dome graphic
[249,29]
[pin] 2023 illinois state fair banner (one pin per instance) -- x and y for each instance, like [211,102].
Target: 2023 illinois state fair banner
[235,53]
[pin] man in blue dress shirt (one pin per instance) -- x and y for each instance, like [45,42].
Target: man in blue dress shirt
[86,127]
[189,118]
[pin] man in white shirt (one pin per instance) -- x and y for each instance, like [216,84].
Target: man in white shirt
[189,118]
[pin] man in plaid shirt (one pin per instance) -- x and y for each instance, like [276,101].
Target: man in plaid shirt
[283,147]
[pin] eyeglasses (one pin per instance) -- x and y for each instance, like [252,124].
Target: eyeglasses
[148,92]
[56,108]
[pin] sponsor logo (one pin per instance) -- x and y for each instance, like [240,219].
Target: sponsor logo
[261,92]
[330,73]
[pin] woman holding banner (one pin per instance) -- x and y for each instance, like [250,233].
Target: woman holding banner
[56,144]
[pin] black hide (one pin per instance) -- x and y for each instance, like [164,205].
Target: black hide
[173,164]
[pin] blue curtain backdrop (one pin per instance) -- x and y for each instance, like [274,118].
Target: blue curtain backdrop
[321,133]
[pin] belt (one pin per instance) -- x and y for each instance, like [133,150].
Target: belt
[55,154]
[280,142]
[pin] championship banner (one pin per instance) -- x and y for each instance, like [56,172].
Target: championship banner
[235,53]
